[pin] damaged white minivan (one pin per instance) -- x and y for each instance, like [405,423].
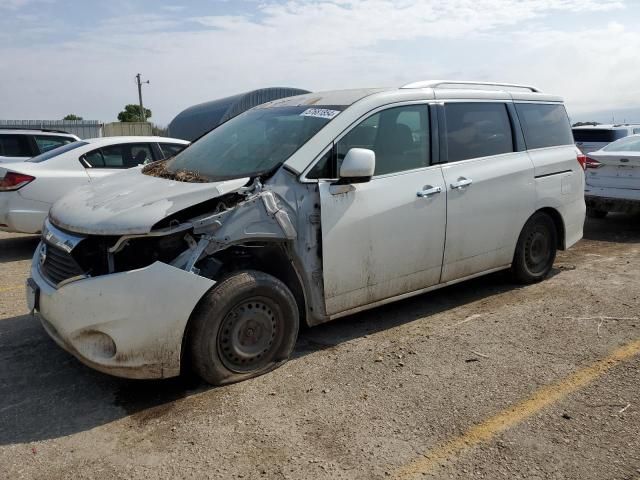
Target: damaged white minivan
[305,209]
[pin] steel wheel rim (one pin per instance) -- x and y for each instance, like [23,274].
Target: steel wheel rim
[538,249]
[248,334]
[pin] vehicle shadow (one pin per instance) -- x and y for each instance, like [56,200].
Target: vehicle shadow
[615,227]
[46,393]
[13,249]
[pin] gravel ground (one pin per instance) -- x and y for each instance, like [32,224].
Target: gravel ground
[482,379]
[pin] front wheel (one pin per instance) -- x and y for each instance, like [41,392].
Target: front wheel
[536,249]
[245,326]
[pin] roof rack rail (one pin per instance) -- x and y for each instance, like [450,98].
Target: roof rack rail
[440,83]
[29,127]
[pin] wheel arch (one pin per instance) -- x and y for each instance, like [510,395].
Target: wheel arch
[273,258]
[558,221]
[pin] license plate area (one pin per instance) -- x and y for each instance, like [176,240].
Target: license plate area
[33,295]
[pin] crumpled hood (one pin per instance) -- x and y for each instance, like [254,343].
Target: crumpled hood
[131,202]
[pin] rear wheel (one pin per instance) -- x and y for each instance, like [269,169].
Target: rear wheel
[245,326]
[596,213]
[536,249]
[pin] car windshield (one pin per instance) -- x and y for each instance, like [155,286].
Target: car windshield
[57,151]
[253,143]
[627,144]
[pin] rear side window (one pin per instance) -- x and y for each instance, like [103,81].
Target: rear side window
[47,142]
[599,135]
[140,154]
[544,125]
[93,159]
[119,156]
[114,156]
[171,149]
[477,130]
[14,146]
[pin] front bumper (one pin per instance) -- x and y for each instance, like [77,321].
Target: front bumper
[128,324]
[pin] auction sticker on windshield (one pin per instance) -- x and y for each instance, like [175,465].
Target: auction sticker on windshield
[320,113]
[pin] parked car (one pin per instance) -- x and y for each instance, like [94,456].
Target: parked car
[590,138]
[613,178]
[28,189]
[18,145]
[305,209]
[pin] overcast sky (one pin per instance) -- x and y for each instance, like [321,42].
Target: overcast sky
[80,56]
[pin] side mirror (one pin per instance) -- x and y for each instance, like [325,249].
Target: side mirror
[358,166]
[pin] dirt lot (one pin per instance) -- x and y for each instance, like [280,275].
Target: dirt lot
[483,380]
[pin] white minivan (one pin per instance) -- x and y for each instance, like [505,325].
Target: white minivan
[306,209]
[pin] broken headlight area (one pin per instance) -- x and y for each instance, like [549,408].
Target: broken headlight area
[95,255]
[187,240]
[91,257]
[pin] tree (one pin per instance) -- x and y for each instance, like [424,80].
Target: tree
[582,124]
[131,113]
[72,116]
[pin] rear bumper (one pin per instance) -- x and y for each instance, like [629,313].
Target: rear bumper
[22,215]
[612,204]
[128,324]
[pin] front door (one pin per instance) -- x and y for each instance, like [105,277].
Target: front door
[384,238]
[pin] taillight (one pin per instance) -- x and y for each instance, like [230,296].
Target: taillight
[14,181]
[582,160]
[591,163]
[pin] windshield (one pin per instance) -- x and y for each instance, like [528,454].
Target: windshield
[251,144]
[627,144]
[57,151]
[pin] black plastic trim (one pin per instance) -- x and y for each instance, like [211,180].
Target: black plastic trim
[554,173]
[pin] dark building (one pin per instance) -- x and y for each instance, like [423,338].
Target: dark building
[199,119]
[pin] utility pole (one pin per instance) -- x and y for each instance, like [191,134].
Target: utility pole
[140,82]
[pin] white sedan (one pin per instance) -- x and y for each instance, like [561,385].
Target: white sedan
[613,178]
[28,189]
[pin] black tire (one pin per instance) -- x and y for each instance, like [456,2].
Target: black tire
[245,326]
[595,213]
[536,249]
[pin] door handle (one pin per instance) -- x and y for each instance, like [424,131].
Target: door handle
[461,183]
[428,191]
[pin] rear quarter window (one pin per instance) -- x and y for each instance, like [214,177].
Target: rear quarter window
[544,125]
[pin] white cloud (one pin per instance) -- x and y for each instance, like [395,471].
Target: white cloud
[321,45]
[594,69]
